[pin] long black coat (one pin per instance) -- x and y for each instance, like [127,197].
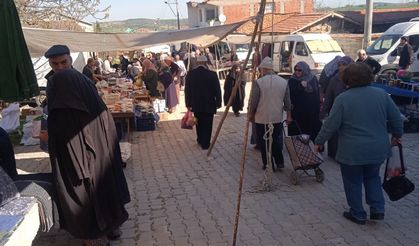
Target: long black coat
[305,108]
[202,91]
[85,157]
[238,101]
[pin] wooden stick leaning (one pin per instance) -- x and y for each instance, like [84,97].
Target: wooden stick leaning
[236,86]
[259,24]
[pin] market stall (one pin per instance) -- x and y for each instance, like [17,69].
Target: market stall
[406,96]
[129,103]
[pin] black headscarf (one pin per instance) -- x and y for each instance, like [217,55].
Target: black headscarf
[71,89]
[233,73]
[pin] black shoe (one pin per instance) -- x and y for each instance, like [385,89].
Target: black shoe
[124,164]
[280,165]
[237,114]
[350,217]
[377,216]
[115,234]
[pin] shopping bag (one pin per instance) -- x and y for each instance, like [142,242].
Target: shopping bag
[188,120]
[395,182]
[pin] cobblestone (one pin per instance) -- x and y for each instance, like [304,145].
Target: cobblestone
[182,197]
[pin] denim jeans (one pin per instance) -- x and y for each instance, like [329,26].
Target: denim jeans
[353,177]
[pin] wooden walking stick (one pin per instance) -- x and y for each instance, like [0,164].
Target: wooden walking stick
[236,86]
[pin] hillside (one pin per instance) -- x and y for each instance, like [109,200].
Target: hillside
[147,25]
[377,5]
[141,25]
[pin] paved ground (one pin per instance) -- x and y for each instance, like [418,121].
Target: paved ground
[181,197]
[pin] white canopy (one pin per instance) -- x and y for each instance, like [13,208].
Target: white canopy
[39,40]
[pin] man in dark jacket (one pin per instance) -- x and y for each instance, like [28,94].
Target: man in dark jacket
[363,57]
[203,97]
[405,52]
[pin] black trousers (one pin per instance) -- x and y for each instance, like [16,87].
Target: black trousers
[204,128]
[277,139]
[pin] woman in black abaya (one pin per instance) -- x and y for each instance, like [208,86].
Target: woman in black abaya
[238,100]
[305,100]
[85,158]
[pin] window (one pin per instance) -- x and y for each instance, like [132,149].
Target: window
[383,44]
[414,42]
[210,14]
[302,7]
[269,8]
[286,50]
[323,46]
[201,18]
[300,49]
[282,7]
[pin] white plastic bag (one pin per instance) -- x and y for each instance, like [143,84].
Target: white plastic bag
[31,125]
[394,163]
[10,118]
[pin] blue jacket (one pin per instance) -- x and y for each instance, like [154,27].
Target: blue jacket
[362,116]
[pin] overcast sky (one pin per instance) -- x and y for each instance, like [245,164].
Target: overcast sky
[128,9]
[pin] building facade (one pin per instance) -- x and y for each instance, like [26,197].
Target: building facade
[213,12]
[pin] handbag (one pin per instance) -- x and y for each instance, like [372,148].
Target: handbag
[397,186]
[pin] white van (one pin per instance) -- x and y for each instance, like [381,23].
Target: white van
[316,49]
[382,48]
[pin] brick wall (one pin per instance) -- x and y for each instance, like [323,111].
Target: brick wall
[351,43]
[235,13]
[293,6]
[240,12]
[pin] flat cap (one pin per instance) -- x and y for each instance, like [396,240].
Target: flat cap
[266,63]
[57,50]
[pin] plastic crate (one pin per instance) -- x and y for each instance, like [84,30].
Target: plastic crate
[146,123]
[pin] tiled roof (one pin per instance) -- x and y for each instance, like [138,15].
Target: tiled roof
[285,23]
[383,16]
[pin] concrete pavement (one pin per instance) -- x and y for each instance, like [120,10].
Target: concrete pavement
[181,197]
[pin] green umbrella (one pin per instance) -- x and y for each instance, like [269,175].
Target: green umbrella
[17,76]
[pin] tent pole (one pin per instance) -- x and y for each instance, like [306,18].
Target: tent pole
[236,86]
[243,157]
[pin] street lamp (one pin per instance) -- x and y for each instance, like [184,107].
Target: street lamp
[177,11]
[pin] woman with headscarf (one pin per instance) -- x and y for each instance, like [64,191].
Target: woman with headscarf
[166,78]
[150,77]
[230,82]
[85,159]
[329,70]
[305,100]
[335,87]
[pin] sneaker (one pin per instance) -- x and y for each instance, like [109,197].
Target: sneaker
[350,217]
[377,216]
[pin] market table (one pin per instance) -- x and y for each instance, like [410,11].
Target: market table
[126,117]
[396,91]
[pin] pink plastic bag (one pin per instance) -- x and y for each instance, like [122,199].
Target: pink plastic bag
[188,121]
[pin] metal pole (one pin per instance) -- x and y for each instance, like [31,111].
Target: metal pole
[368,23]
[177,15]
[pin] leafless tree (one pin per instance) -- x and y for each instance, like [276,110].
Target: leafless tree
[60,14]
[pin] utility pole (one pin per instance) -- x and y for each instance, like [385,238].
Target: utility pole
[177,15]
[368,23]
[177,11]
